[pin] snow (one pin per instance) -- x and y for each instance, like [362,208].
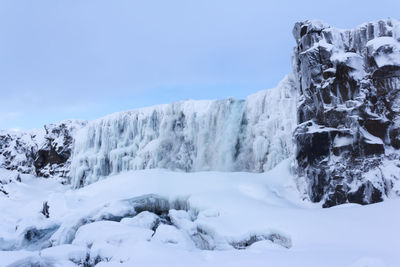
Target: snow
[385,50]
[369,138]
[167,234]
[162,218]
[144,219]
[352,60]
[252,135]
[377,43]
[342,141]
[315,128]
[67,252]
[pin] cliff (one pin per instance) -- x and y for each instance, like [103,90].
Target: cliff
[347,138]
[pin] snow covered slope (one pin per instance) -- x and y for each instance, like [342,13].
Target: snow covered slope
[224,135]
[163,218]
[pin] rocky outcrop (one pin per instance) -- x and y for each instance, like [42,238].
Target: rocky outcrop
[18,150]
[53,158]
[348,111]
[45,152]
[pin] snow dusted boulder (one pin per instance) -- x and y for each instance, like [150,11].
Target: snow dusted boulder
[348,111]
[67,252]
[145,219]
[226,135]
[169,234]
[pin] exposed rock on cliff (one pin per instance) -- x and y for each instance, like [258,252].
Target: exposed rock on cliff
[53,158]
[348,111]
[43,152]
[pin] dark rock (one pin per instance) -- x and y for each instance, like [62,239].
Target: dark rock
[337,197]
[365,194]
[45,209]
[273,237]
[349,110]
[376,127]
[56,150]
[395,137]
[371,149]
[3,191]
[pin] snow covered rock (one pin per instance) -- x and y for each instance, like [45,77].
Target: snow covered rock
[53,157]
[18,150]
[67,252]
[42,152]
[226,135]
[348,110]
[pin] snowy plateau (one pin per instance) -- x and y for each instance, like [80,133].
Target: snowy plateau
[305,174]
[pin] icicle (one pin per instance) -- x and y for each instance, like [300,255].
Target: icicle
[224,135]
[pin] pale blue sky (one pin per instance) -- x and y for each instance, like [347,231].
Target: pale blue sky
[85,59]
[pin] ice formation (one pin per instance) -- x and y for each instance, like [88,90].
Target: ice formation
[226,135]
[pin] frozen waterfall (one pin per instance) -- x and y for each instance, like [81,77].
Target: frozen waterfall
[225,135]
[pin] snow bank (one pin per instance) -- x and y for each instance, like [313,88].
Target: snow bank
[230,219]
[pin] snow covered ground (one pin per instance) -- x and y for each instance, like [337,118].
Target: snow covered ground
[163,218]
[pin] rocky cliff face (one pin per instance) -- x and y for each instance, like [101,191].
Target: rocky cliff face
[45,152]
[53,158]
[348,111]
